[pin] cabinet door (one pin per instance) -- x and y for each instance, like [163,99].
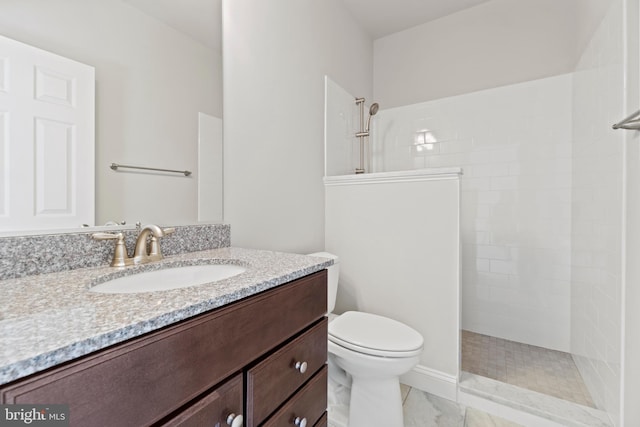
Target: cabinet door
[214,409]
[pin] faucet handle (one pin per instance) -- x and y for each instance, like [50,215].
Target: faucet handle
[154,244]
[106,236]
[120,256]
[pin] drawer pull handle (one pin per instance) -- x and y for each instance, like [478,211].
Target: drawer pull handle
[235,420]
[300,422]
[302,367]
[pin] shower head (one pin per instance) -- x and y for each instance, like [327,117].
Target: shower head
[372,112]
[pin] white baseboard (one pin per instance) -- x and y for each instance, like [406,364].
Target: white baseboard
[432,381]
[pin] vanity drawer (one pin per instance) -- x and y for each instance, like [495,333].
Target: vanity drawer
[213,409]
[273,380]
[140,382]
[310,403]
[322,422]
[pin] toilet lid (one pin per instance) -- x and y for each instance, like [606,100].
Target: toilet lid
[376,335]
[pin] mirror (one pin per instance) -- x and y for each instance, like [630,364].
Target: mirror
[158,94]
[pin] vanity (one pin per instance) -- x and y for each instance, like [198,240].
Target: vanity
[249,350]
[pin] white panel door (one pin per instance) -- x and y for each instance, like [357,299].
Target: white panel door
[46,139]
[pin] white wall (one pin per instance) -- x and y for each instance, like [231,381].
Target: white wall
[514,145]
[276,54]
[631,290]
[151,83]
[597,212]
[496,43]
[210,168]
[399,257]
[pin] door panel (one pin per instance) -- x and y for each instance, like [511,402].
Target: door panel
[46,139]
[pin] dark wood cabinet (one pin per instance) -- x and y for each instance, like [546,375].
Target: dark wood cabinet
[323,421]
[305,407]
[238,359]
[276,378]
[219,407]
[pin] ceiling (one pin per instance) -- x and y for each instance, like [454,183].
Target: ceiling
[199,19]
[383,17]
[377,17]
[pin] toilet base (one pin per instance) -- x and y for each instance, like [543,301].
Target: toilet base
[375,403]
[375,398]
[337,374]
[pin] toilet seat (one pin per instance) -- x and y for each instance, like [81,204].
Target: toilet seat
[375,335]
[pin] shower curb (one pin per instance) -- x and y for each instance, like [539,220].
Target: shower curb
[526,407]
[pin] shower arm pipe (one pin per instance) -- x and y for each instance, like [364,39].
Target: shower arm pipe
[632,122]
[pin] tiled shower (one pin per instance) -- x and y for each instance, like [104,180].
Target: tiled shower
[597,209]
[514,145]
[541,201]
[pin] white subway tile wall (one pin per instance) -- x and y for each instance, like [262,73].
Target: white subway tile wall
[514,144]
[596,212]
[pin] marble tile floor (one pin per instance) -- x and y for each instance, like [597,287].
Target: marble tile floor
[420,410]
[534,368]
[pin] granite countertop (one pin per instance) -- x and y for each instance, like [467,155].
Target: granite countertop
[52,318]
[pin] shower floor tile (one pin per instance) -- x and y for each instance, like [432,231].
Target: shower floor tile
[535,368]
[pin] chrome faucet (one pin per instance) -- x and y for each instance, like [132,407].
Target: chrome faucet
[147,245]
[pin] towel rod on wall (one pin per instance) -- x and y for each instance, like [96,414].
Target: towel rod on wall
[115,167]
[632,122]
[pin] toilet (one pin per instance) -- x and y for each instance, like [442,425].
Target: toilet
[368,353]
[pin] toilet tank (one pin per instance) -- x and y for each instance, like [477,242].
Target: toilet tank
[333,273]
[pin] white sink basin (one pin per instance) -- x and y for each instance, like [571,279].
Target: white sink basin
[168,278]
